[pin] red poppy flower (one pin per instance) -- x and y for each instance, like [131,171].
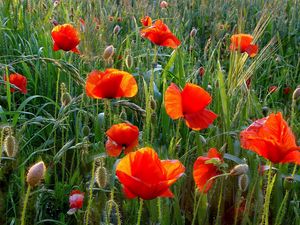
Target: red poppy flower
[242,42]
[19,81]
[201,71]
[111,83]
[160,34]
[204,170]
[121,136]
[65,37]
[76,201]
[271,138]
[190,103]
[144,175]
[146,21]
[272,89]
[287,90]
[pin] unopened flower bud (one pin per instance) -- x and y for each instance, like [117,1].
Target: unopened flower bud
[201,71]
[193,32]
[296,93]
[239,170]
[163,4]
[85,130]
[108,52]
[288,183]
[129,61]
[265,110]
[36,173]
[117,29]
[10,146]
[152,103]
[66,99]
[101,176]
[243,182]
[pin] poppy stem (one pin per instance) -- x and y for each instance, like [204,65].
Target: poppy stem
[25,206]
[90,194]
[140,212]
[159,210]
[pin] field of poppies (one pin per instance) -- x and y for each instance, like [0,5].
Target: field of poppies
[149,112]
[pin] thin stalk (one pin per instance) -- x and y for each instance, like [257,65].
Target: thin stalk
[25,205]
[159,210]
[90,195]
[140,212]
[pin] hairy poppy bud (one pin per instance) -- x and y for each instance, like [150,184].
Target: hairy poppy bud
[85,130]
[163,4]
[10,146]
[193,32]
[129,61]
[117,29]
[36,173]
[101,176]
[243,182]
[239,170]
[265,110]
[65,99]
[288,183]
[108,52]
[296,93]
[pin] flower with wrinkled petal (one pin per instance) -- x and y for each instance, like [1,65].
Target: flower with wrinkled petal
[271,138]
[66,38]
[111,83]
[243,43]
[122,136]
[190,104]
[205,168]
[75,201]
[146,21]
[142,174]
[19,81]
[160,34]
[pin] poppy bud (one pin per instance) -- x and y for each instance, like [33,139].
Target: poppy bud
[36,173]
[85,130]
[243,182]
[10,146]
[101,176]
[152,103]
[55,3]
[117,29]
[65,99]
[163,4]
[201,71]
[296,93]
[287,90]
[108,52]
[239,170]
[129,61]
[265,110]
[193,32]
[288,183]
[272,89]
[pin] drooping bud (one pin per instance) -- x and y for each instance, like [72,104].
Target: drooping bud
[163,4]
[129,61]
[36,173]
[193,32]
[265,110]
[288,183]
[117,29]
[296,93]
[10,145]
[243,182]
[108,52]
[239,170]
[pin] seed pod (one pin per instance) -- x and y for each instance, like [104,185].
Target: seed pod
[296,93]
[243,182]
[36,173]
[239,170]
[117,29]
[101,176]
[193,32]
[129,61]
[108,52]
[10,146]
[288,183]
[65,99]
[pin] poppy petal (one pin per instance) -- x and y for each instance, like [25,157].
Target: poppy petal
[213,153]
[192,94]
[252,50]
[112,148]
[173,102]
[167,194]
[173,170]
[200,120]
[292,157]
[75,50]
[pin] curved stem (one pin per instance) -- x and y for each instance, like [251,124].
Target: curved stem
[25,205]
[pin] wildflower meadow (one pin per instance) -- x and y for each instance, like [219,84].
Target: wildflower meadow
[151,112]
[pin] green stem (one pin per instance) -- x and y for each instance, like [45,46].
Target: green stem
[90,195]
[25,206]
[140,212]
[159,210]
[282,208]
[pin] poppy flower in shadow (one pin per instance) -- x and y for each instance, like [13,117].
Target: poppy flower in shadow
[111,83]
[243,43]
[206,167]
[122,136]
[144,175]
[160,34]
[271,138]
[75,201]
[146,21]
[19,81]
[190,104]
[65,37]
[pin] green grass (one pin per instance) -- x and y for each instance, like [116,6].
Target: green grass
[46,130]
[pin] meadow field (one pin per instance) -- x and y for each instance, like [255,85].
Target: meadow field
[149,112]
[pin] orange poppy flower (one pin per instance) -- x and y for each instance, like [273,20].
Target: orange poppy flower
[190,104]
[111,83]
[242,42]
[204,170]
[160,34]
[271,138]
[121,136]
[144,175]
[146,21]
[19,81]
[65,37]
